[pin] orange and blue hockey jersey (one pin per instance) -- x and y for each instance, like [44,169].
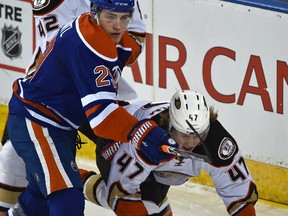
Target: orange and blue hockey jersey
[76,80]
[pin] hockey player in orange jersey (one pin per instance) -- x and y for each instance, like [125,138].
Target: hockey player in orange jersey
[76,79]
[49,16]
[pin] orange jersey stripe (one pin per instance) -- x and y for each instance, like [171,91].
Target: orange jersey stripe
[56,180]
[92,110]
[133,207]
[249,210]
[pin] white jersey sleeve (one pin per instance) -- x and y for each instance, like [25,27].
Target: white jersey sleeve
[49,17]
[136,27]
[137,24]
[233,183]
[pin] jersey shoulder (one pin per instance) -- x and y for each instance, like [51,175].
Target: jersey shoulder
[129,42]
[151,110]
[45,6]
[95,38]
[64,7]
[220,145]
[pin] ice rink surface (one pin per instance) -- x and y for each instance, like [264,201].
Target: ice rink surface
[190,199]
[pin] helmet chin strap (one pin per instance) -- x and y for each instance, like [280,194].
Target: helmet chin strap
[201,140]
[193,129]
[188,154]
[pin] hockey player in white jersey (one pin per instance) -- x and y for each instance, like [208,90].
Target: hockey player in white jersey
[49,16]
[135,186]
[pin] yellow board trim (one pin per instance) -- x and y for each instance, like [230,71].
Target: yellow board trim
[271,180]
[3,118]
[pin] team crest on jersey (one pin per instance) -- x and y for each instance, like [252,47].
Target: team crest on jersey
[39,4]
[11,43]
[74,166]
[226,149]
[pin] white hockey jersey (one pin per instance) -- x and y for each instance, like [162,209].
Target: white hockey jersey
[230,174]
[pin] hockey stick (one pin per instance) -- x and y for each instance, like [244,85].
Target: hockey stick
[184,154]
[187,154]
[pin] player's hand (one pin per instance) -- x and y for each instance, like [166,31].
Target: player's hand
[148,137]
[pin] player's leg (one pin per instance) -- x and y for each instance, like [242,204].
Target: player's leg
[12,177]
[101,144]
[153,198]
[33,197]
[49,156]
[30,202]
[155,192]
[121,202]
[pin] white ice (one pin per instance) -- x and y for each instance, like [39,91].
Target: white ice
[189,199]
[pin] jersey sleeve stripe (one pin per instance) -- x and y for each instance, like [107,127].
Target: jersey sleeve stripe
[92,110]
[117,125]
[46,120]
[101,116]
[98,96]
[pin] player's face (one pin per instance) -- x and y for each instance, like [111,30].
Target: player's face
[114,23]
[186,142]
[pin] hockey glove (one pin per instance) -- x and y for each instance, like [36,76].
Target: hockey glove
[148,137]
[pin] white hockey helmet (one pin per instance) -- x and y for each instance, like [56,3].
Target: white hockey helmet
[191,106]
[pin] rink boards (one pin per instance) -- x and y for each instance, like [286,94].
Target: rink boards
[239,64]
[269,186]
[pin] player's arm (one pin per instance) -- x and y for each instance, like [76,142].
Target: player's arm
[135,35]
[229,172]
[235,186]
[46,24]
[137,27]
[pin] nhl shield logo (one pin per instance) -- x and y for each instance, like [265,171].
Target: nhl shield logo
[11,45]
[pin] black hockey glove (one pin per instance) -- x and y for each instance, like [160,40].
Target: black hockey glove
[148,137]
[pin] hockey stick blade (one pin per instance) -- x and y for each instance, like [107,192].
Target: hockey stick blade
[184,154]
